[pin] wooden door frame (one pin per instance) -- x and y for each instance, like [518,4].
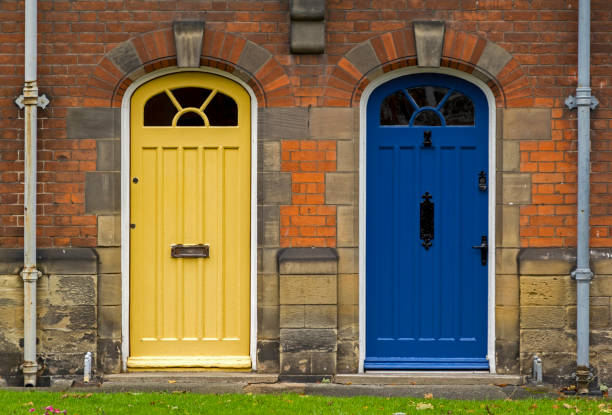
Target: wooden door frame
[362,199]
[125,206]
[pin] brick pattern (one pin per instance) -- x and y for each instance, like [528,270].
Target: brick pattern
[308,222]
[76,70]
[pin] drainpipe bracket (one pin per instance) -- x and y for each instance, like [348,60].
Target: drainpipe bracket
[582,98]
[42,101]
[582,274]
[30,275]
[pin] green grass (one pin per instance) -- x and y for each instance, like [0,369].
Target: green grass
[187,403]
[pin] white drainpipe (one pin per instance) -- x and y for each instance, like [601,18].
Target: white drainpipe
[30,273]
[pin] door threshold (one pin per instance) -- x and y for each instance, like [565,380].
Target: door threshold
[406,377]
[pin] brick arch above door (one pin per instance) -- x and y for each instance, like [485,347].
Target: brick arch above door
[156,50]
[460,50]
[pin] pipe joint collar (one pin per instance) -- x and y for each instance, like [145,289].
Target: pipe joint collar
[583,98]
[582,274]
[30,275]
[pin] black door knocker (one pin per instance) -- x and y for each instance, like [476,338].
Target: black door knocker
[427,139]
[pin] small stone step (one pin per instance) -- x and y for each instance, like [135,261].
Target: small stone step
[429,378]
[135,378]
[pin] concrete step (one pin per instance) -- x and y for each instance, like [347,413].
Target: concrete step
[428,378]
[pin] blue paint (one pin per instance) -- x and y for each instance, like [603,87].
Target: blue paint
[426,309]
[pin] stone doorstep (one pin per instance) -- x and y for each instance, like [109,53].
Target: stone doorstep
[189,377]
[429,378]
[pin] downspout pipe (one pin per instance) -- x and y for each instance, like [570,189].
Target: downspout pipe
[29,273]
[583,274]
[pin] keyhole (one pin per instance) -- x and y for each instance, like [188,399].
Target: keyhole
[427,139]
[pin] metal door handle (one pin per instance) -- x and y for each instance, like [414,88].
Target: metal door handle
[484,249]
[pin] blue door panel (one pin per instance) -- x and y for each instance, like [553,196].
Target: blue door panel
[426,308]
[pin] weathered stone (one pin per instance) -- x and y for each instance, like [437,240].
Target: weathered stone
[347,226]
[93,123]
[109,355]
[599,316]
[66,363]
[323,363]
[109,289]
[348,260]
[429,40]
[267,322]
[332,122]
[102,192]
[601,285]
[517,188]
[507,260]
[340,188]
[557,368]
[543,317]
[11,316]
[308,316]
[283,123]
[348,321]
[188,37]
[308,261]
[253,57]
[601,261]
[125,57]
[69,341]
[346,156]
[308,289]
[270,225]
[307,36]
[527,124]
[507,353]
[109,230]
[271,155]
[109,322]
[274,188]
[299,340]
[268,356]
[363,57]
[72,290]
[547,291]
[307,9]
[109,260]
[546,261]
[510,158]
[493,59]
[267,260]
[108,155]
[348,356]
[540,340]
[71,261]
[507,290]
[267,289]
[348,289]
[507,322]
[67,318]
[510,236]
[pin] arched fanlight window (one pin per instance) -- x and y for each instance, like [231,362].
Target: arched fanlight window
[190,107]
[427,106]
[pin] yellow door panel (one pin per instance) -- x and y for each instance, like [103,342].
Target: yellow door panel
[190,168]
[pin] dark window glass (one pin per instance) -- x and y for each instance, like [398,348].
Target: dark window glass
[191,96]
[427,96]
[396,109]
[159,111]
[190,119]
[458,110]
[427,118]
[222,111]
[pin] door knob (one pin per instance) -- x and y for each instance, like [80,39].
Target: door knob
[484,249]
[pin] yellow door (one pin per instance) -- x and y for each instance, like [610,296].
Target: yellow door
[190,189]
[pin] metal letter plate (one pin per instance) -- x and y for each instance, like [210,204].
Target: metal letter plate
[189,251]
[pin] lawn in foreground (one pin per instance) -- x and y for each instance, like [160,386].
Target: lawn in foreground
[36,402]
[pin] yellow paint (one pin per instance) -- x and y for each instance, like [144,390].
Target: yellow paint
[193,187]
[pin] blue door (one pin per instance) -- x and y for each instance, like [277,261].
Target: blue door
[426,225]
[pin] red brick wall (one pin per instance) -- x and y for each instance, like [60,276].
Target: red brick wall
[75,36]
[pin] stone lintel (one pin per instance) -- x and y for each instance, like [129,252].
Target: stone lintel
[310,10]
[307,37]
[188,37]
[429,41]
[561,261]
